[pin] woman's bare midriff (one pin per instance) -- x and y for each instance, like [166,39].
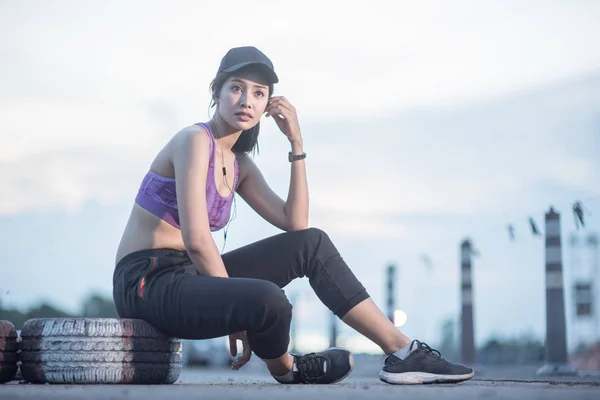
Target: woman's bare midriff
[146,231]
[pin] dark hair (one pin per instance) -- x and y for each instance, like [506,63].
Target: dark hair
[248,140]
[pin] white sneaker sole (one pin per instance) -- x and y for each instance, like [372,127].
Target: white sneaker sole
[415,378]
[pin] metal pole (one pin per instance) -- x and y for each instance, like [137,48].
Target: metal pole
[592,242]
[293,300]
[556,331]
[576,275]
[391,280]
[333,330]
[467,352]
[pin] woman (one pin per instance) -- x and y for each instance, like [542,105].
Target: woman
[170,273]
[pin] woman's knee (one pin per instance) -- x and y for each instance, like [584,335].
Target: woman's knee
[270,317]
[319,245]
[314,232]
[272,301]
[316,238]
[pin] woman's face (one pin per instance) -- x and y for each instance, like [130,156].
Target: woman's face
[243,99]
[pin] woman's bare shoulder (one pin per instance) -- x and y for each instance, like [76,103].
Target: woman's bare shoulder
[189,137]
[189,144]
[184,135]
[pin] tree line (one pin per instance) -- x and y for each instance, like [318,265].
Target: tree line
[94,305]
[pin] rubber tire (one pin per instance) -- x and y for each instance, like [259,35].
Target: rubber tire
[8,351]
[98,350]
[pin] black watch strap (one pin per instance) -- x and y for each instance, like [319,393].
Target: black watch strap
[296,157]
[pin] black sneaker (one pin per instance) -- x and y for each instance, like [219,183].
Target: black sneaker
[328,366]
[422,365]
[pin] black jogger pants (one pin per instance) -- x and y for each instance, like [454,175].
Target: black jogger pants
[162,287]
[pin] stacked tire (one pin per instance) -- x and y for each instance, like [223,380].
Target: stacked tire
[98,350]
[8,351]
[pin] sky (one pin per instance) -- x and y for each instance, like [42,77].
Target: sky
[424,123]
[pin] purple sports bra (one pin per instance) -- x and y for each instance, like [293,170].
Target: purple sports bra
[157,194]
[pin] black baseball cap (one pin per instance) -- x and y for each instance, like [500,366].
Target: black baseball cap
[239,57]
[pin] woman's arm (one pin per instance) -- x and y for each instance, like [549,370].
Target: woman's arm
[296,205]
[191,167]
[292,214]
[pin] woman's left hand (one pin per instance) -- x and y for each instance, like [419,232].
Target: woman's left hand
[280,106]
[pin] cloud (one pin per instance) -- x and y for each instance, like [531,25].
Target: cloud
[69,178]
[371,58]
[445,161]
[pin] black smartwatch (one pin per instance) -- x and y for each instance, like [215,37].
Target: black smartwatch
[292,157]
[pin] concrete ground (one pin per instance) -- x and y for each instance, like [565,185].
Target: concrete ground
[252,382]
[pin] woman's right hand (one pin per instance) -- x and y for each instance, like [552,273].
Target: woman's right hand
[247,351]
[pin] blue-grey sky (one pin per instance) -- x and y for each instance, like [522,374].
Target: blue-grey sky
[423,123]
